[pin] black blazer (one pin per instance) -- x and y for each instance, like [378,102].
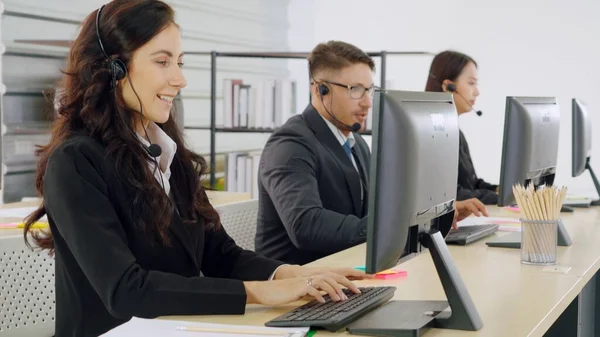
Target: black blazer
[108,271]
[469,184]
[309,192]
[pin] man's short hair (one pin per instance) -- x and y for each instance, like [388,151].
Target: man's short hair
[336,55]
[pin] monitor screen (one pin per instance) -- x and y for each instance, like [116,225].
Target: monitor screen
[582,137]
[413,180]
[414,169]
[530,144]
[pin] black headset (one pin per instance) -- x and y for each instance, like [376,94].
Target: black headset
[116,67]
[452,88]
[323,89]
[118,71]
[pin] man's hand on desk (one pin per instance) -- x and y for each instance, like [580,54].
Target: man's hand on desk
[467,207]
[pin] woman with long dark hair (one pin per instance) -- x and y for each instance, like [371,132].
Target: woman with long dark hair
[456,73]
[131,228]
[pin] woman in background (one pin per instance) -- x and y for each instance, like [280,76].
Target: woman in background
[131,228]
[455,72]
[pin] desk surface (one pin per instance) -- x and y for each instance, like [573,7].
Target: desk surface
[583,227]
[215,197]
[512,299]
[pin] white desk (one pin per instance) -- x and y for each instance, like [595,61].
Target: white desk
[512,299]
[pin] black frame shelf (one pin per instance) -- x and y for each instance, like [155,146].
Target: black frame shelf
[246,130]
[233,130]
[266,55]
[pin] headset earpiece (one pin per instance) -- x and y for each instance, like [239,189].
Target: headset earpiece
[451,87]
[323,90]
[117,69]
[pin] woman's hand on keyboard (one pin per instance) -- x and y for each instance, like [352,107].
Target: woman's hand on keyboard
[291,271]
[289,290]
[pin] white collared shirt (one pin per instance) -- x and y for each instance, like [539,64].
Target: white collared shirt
[168,147]
[342,138]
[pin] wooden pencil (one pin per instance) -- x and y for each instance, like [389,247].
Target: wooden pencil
[541,209]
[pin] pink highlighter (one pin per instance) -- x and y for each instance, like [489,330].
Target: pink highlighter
[386,274]
[390,274]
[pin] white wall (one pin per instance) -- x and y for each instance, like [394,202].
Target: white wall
[535,47]
[301,38]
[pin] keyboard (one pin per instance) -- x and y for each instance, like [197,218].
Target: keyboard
[467,234]
[332,315]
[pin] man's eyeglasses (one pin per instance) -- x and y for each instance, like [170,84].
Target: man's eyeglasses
[356,91]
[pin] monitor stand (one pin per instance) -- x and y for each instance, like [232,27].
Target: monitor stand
[513,240]
[413,318]
[595,180]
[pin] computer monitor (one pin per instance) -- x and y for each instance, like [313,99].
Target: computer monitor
[530,145]
[529,155]
[582,143]
[414,169]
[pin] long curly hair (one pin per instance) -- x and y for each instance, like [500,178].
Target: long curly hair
[87,104]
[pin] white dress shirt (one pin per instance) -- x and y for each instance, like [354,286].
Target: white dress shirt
[342,138]
[168,147]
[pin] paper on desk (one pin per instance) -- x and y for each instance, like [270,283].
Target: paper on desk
[505,224]
[20,212]
[166,328]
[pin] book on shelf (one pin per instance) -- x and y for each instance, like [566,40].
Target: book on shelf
[263,104]
[241,172]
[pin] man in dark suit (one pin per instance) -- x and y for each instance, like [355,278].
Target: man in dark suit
[313,173]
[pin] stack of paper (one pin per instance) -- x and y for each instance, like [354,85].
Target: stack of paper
[505,224]
[167,328]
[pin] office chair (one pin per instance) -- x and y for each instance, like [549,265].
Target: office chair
[239,220]
[27,300]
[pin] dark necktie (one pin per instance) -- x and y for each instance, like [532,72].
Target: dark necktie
[347,149]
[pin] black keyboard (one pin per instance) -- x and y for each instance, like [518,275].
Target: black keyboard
[467,234]
[333,315]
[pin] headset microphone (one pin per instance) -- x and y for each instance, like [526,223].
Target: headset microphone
[452,88]
[154,150]
[324,90]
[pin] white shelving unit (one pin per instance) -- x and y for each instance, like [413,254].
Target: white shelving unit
[2,91]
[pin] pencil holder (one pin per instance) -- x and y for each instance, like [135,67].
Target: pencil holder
[539,241]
